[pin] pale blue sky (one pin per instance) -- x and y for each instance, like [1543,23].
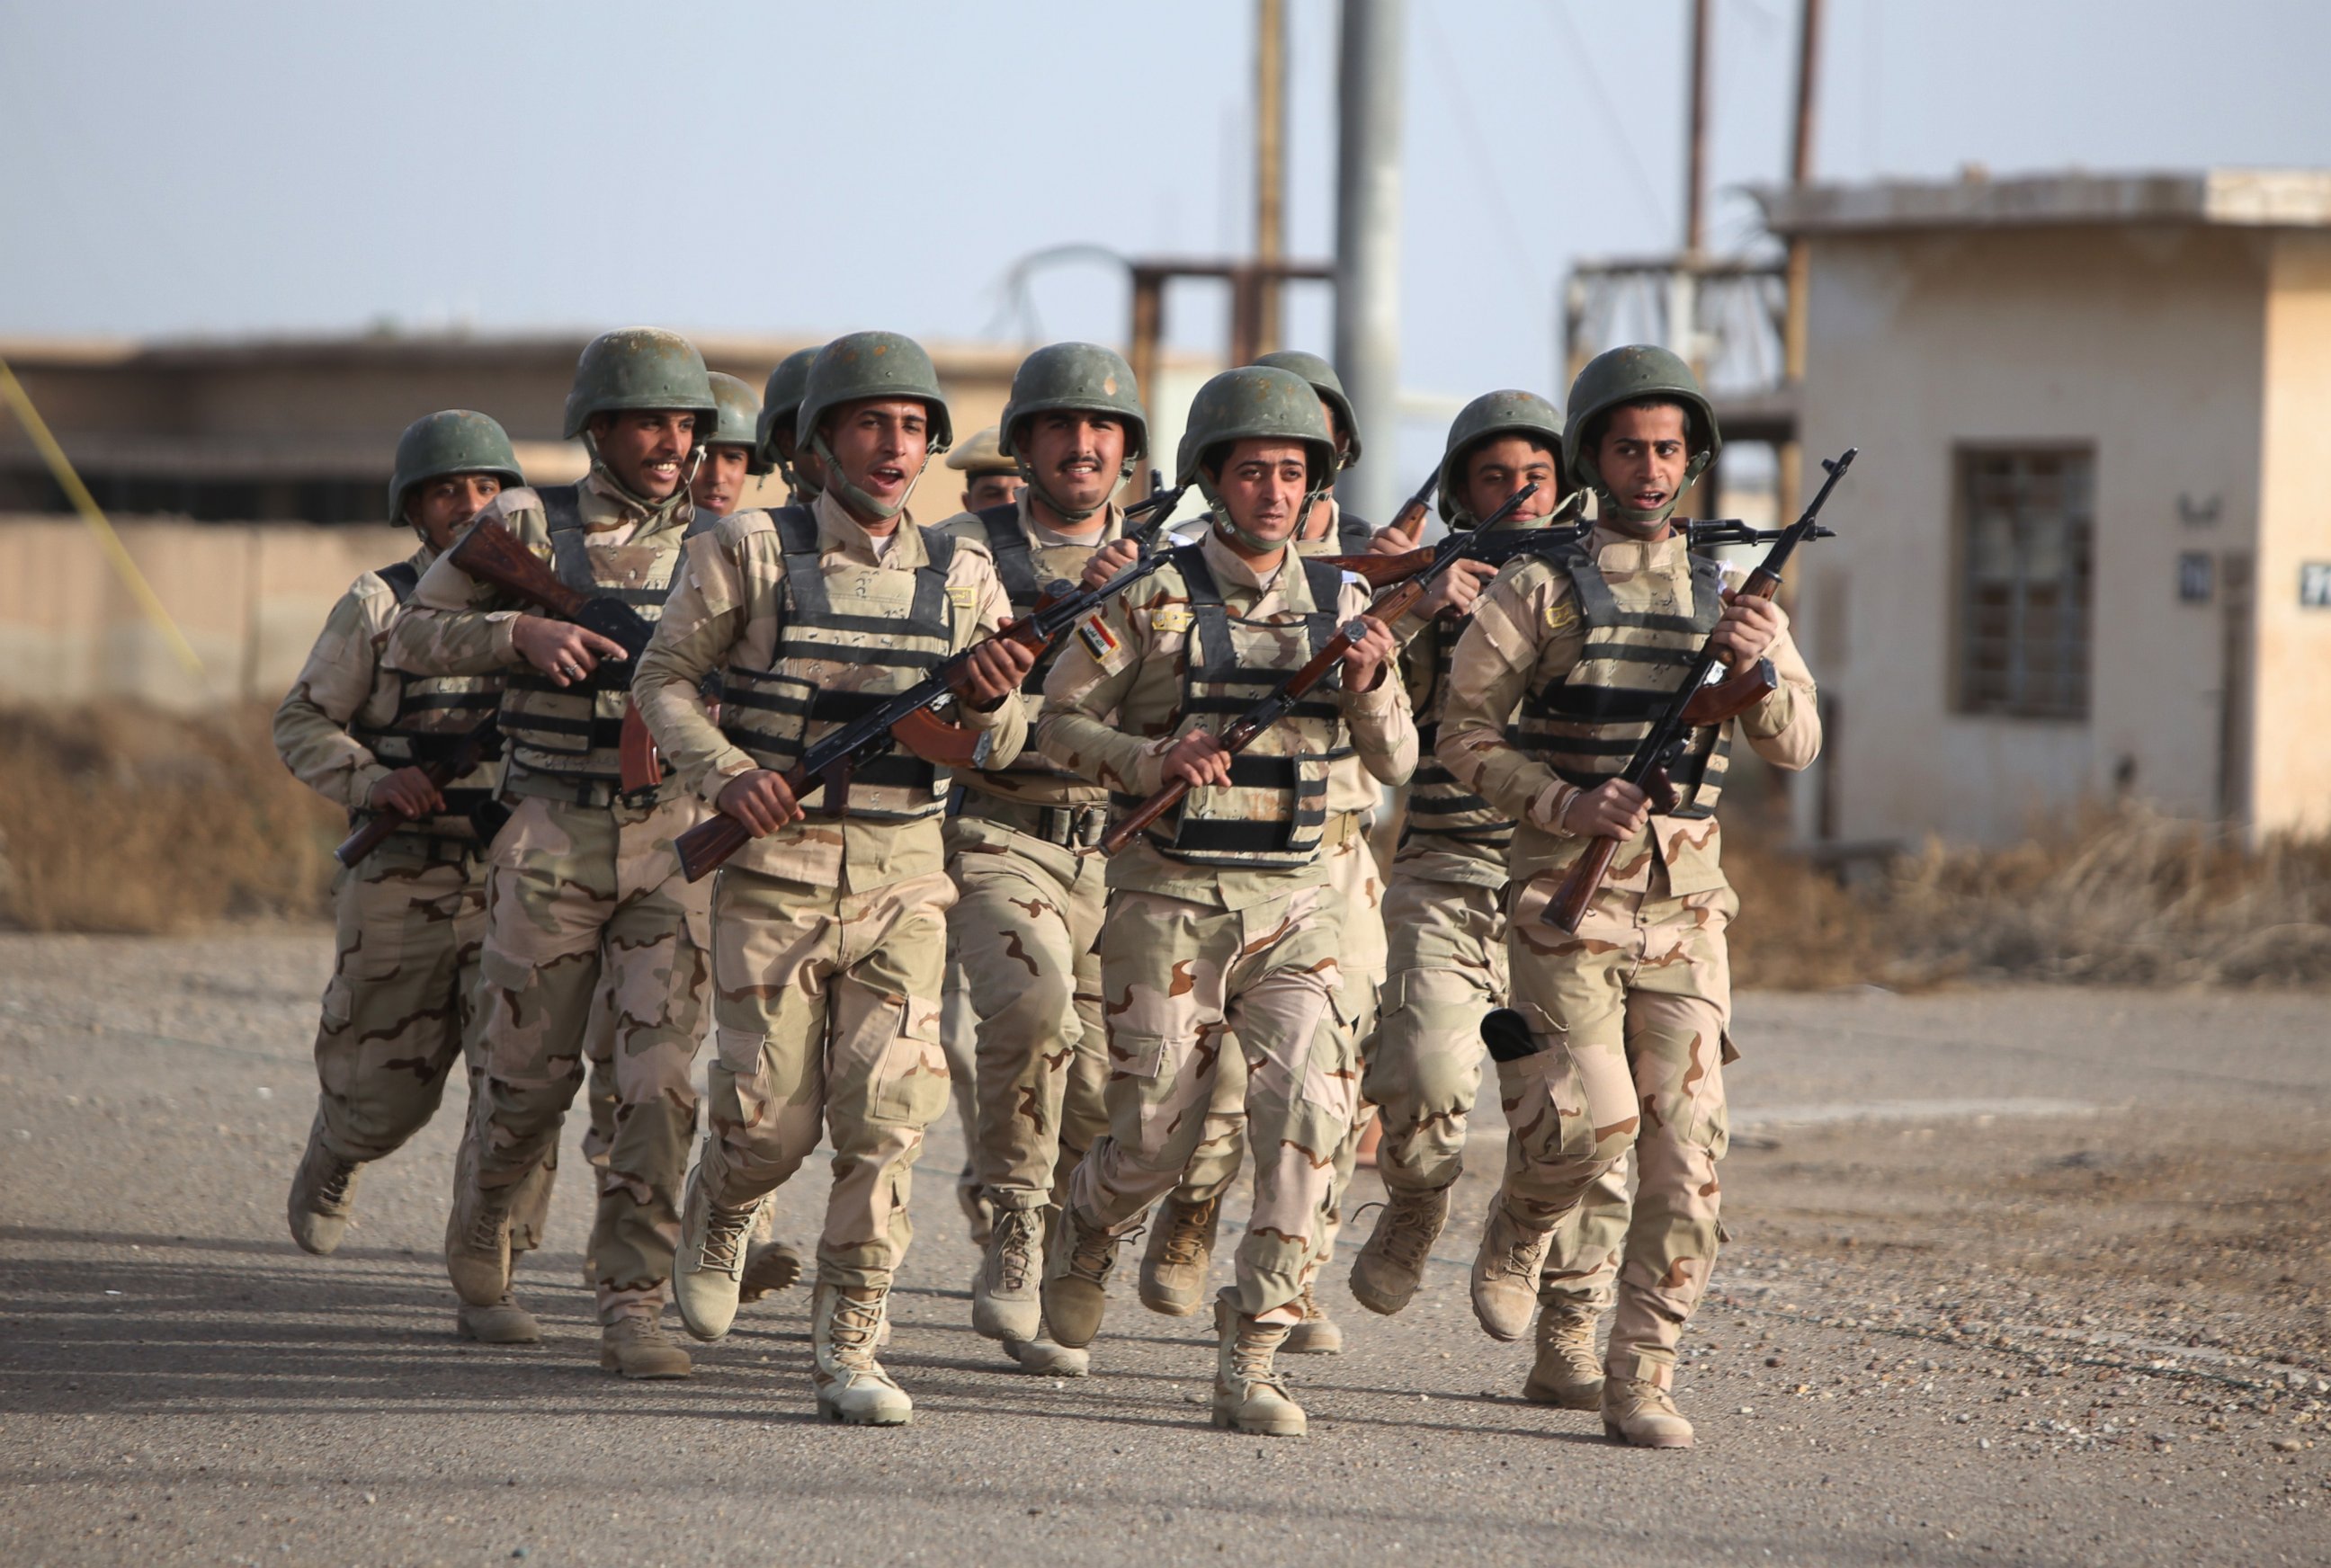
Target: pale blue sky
[301,165]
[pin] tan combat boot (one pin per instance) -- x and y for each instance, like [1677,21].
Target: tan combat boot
[707,1272]
[1077,1266]
[1317,1333]
[476,1244]
[1180,1252]
[1391,1264]
[1007,1292]
[1505,1273]
[1642,1414]
[503,1323]
[852,1385]
[636,1345]
[323,1192]
[1568,1370]
[769,1267]
[1048,1357]
[1250,1393]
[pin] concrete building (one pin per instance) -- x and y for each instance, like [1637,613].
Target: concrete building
[2085,549]
[249,480]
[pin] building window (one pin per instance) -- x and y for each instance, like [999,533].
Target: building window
[2025,552]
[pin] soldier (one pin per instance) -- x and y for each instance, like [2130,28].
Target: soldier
[1174,1265]
[583,879]
[732,452]
[1621,1040]
[1220,920]
[991,478]
[1022,849]
[780,405]
[411,914]
[1446,916]
[832,926]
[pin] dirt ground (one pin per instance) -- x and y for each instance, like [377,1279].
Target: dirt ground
[2016,1274]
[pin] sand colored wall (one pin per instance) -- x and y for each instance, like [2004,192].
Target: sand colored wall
[2291,757]
[2147,344]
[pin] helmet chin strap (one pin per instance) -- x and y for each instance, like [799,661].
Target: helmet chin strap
[689,468]
[1229,527]
[848,491]
[1644,521]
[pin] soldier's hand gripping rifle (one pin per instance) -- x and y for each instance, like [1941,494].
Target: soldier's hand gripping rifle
[1389,607]
[905,716]
[468,750]
[492,554]
[1697,703]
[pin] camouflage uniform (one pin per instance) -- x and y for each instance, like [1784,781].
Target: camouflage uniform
[1026,928]
[831,934]
[410,915]
[1630,1015]
[1214,927]
[583,883]
[1356,884]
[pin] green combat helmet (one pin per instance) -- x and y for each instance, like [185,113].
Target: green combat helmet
[1327,384]
[1630,374]
[1078,376]
[982,455]
[455,442]
[862,365]
[780,401]
[641,368]
[1255,401]
[736,422]
[1490,414]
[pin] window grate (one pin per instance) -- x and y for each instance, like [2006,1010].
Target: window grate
[2026,544]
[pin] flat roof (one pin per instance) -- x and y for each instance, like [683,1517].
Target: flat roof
[2254,199]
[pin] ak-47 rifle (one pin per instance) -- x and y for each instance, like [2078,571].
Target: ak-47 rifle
[1410,518]
[1381,571]
[906,718]
[467,751]
[1696,704]
[492,554]
[1242,731]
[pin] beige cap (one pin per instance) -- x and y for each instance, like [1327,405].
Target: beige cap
[983,454]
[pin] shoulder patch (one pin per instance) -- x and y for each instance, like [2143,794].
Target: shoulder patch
[1561,616]
[963,596]
[1098,640]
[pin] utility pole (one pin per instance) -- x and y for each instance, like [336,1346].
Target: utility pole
[1683,285]
[1367,238]
[1799,274]
[1269,166]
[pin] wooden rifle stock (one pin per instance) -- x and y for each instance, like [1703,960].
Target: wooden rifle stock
[492,554]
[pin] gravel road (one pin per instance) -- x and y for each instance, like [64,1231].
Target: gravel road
[2016,1276]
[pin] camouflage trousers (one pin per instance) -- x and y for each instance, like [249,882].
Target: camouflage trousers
[1179,980]
[1357,887]
[1446,970]
[827,1008]
[577,894]
[1630,1015]
[1026,929]
[397,1012]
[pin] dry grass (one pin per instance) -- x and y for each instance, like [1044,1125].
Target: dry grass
[2120,896]
[131,821]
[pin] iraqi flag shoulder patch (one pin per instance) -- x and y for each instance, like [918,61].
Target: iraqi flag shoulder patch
[1098,640]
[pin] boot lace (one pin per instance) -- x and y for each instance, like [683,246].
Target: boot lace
[1092,1254]
[1409,1230]
[332,1192]
[725,1231]
[1185,1234]
[853,1329]
[1014,1244]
